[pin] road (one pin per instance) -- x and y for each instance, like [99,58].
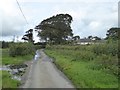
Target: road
[44,74]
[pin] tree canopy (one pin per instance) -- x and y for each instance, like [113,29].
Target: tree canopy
[112,33]
[94,37]
[55,29]
[76,38]
[28,36]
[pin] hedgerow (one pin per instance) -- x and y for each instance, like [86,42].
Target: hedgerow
[19,49]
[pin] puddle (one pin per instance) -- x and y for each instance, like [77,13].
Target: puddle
[17,78]
[18,70]
[15,70]
[37,55]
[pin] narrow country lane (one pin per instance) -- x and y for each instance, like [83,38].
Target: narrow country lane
[44,74]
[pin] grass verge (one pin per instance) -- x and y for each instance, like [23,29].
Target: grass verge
[79,71]
[6,80]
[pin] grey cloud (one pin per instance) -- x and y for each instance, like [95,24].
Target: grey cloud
[12,26]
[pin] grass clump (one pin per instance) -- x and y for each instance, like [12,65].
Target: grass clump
[7,82]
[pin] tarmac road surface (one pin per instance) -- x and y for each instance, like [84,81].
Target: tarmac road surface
[44,74]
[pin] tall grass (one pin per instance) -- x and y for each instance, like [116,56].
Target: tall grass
[18,53]
[86,66]
[7,59]
[20,49]
[7,82]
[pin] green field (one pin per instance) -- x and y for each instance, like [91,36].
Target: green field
[85,68]
[7,59]
[7,82]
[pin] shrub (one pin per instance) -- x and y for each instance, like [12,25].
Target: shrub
[19,49]
[107,48]
[107,62]
[83,55]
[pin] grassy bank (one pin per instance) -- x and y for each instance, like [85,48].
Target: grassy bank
[0,79]
[7,82]
[84,67]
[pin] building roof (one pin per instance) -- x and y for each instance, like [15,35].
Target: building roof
[85,40]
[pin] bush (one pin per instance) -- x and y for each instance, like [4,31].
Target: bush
[19,49]
[83,55]
[107,48]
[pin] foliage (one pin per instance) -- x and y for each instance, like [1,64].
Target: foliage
[7,59]
[81,71]
[55,29]
[76,38]
[5,44]
[20,49]
[105,56]
[112,33]
[7,82]
[108,49]
[28,36]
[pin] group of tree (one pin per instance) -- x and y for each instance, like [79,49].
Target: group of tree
[113,34]
[75,38]
[57,30]
[28,36]
[4,44]
[94,37]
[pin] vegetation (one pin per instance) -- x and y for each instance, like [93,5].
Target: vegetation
[91,66]
[55,29]
[0,79]
[28,36]
[7,59]
[113,33]
[20,49]
[18,53]
[4,44]
[7,82]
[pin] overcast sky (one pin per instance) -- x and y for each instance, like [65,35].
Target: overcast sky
[90,17]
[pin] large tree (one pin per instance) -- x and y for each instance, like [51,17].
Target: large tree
[55,29]
[113,33]
[75,38]
[28,36]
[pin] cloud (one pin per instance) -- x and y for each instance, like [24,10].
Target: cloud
[65,1]
[97,19]
[12,20]
[91,17]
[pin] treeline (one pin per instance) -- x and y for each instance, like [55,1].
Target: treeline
[5,44]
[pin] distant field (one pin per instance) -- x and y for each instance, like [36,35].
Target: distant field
[86,67]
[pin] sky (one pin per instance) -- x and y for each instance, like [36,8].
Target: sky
[90,17]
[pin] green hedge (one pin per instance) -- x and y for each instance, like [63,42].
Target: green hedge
[19,49]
